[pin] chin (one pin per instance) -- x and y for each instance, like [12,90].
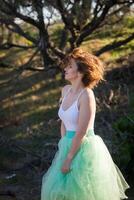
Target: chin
[67,78]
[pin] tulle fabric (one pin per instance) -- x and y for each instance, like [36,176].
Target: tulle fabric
[93,174]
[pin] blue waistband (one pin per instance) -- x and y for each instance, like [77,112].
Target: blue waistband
[70,133]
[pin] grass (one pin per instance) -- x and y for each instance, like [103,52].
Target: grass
[29,104]
[34,99]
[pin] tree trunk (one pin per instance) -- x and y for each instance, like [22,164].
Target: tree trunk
[47,60]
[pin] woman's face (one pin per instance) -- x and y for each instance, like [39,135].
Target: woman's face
[71,71]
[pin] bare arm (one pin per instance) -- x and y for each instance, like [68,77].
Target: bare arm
[62,127]
[85,112]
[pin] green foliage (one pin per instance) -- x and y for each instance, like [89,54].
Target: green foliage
[129,21]
[125,124]
[132,102]
[124,140]
[123,50]
[56,32]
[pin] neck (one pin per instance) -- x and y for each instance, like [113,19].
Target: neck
[76,87]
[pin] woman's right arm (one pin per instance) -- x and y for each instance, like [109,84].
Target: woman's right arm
[62,128]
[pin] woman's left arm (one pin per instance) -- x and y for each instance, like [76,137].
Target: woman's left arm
[85,112]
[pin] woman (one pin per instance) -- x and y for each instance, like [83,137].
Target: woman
[82,168]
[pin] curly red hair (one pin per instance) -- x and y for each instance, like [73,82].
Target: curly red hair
[88,64]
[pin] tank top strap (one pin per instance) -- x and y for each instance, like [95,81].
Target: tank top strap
[80,94]
[77,96]
[66,93]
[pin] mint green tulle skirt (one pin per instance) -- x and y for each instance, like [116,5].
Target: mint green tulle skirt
[93,174]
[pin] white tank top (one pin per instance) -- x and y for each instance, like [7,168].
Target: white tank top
[70,115]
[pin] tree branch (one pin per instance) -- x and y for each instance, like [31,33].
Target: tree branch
[21,68]
[96,21]
[115,12]
[17,29]
[68,21]
[8,45]
[114,45]
[12,11]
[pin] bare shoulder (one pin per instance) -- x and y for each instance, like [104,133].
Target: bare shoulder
[88,93]
[65,89]
[87,96]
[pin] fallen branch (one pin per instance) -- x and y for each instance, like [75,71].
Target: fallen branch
[8,193]
[26,151]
